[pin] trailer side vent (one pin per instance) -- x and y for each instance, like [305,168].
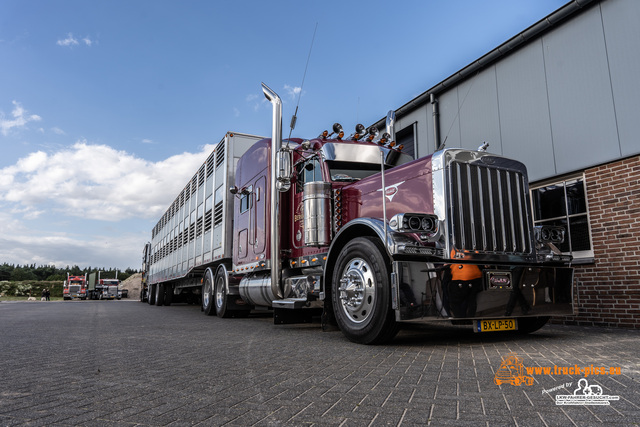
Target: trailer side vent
[194,184]
[210,162]
[219,155]
[207,220]
[217,214]
[199,227]
[201,176]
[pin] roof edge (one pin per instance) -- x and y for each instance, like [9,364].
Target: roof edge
[542,26]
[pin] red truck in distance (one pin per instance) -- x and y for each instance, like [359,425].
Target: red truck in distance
[352,229]
[75,287]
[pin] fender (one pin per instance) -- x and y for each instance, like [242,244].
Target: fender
[373,227]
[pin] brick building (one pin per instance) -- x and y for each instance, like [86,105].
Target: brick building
[562,97]
[609,287]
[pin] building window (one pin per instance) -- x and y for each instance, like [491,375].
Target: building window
[406,137]
[565,203]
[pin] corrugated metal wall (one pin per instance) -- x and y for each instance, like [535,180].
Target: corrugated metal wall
[567,100]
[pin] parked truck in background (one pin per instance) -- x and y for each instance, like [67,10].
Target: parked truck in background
[74,287]
[144,277]
[100,289]
[353,229]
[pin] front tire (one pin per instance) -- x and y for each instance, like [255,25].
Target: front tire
[208,297]
[361,293]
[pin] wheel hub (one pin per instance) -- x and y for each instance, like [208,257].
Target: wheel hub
[219,293]
[206,293]
[357,290]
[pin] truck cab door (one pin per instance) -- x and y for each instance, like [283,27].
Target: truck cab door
[250,222]
[258,232]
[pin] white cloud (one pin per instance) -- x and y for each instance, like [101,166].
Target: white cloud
[22,245]
[147,141]
[69,41]
[256,101]
[19,120]
[103,184]
[58,131]
[292,91]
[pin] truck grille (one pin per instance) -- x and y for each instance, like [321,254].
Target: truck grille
[489,209]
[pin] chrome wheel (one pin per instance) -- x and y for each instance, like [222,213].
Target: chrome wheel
[208,293]
[357,290]
[220,293]
[361,292]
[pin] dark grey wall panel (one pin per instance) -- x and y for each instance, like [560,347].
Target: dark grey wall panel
[524,110]
[563,102]
[583,122]
[621,19]
[449,118]
[478,101]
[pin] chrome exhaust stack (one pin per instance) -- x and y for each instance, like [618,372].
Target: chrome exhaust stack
[276,173]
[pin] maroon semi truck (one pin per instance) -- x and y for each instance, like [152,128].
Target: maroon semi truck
[353,230]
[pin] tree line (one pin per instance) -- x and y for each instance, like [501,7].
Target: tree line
[21,273]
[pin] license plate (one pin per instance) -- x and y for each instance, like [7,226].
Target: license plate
[496,325]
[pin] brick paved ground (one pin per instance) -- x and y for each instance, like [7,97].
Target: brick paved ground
[119,363]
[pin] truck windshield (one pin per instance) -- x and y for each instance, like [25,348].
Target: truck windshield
[351,171]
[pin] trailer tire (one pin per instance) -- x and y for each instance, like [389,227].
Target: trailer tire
[208,296]
[168,295]
[151,294]
[220,292]
[527,325]
[160,294]
[361,293]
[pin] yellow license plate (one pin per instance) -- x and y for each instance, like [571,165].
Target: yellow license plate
[496,325]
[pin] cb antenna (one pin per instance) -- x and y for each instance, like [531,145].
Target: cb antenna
[294,119]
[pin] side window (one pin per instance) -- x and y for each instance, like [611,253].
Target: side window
[565,203]
[245,200]
[308,171]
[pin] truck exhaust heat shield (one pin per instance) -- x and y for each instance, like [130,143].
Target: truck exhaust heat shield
[317,213]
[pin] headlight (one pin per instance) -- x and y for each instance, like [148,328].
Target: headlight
[549,234]
[414,223]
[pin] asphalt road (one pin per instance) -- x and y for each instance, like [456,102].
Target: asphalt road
[119,363]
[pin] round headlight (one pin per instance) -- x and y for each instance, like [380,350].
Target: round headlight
[414,223]
[427,224]
[545,234]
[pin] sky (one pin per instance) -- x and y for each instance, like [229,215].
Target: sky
[108,108]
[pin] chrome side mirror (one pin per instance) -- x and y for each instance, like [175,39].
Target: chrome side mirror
[284,170]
